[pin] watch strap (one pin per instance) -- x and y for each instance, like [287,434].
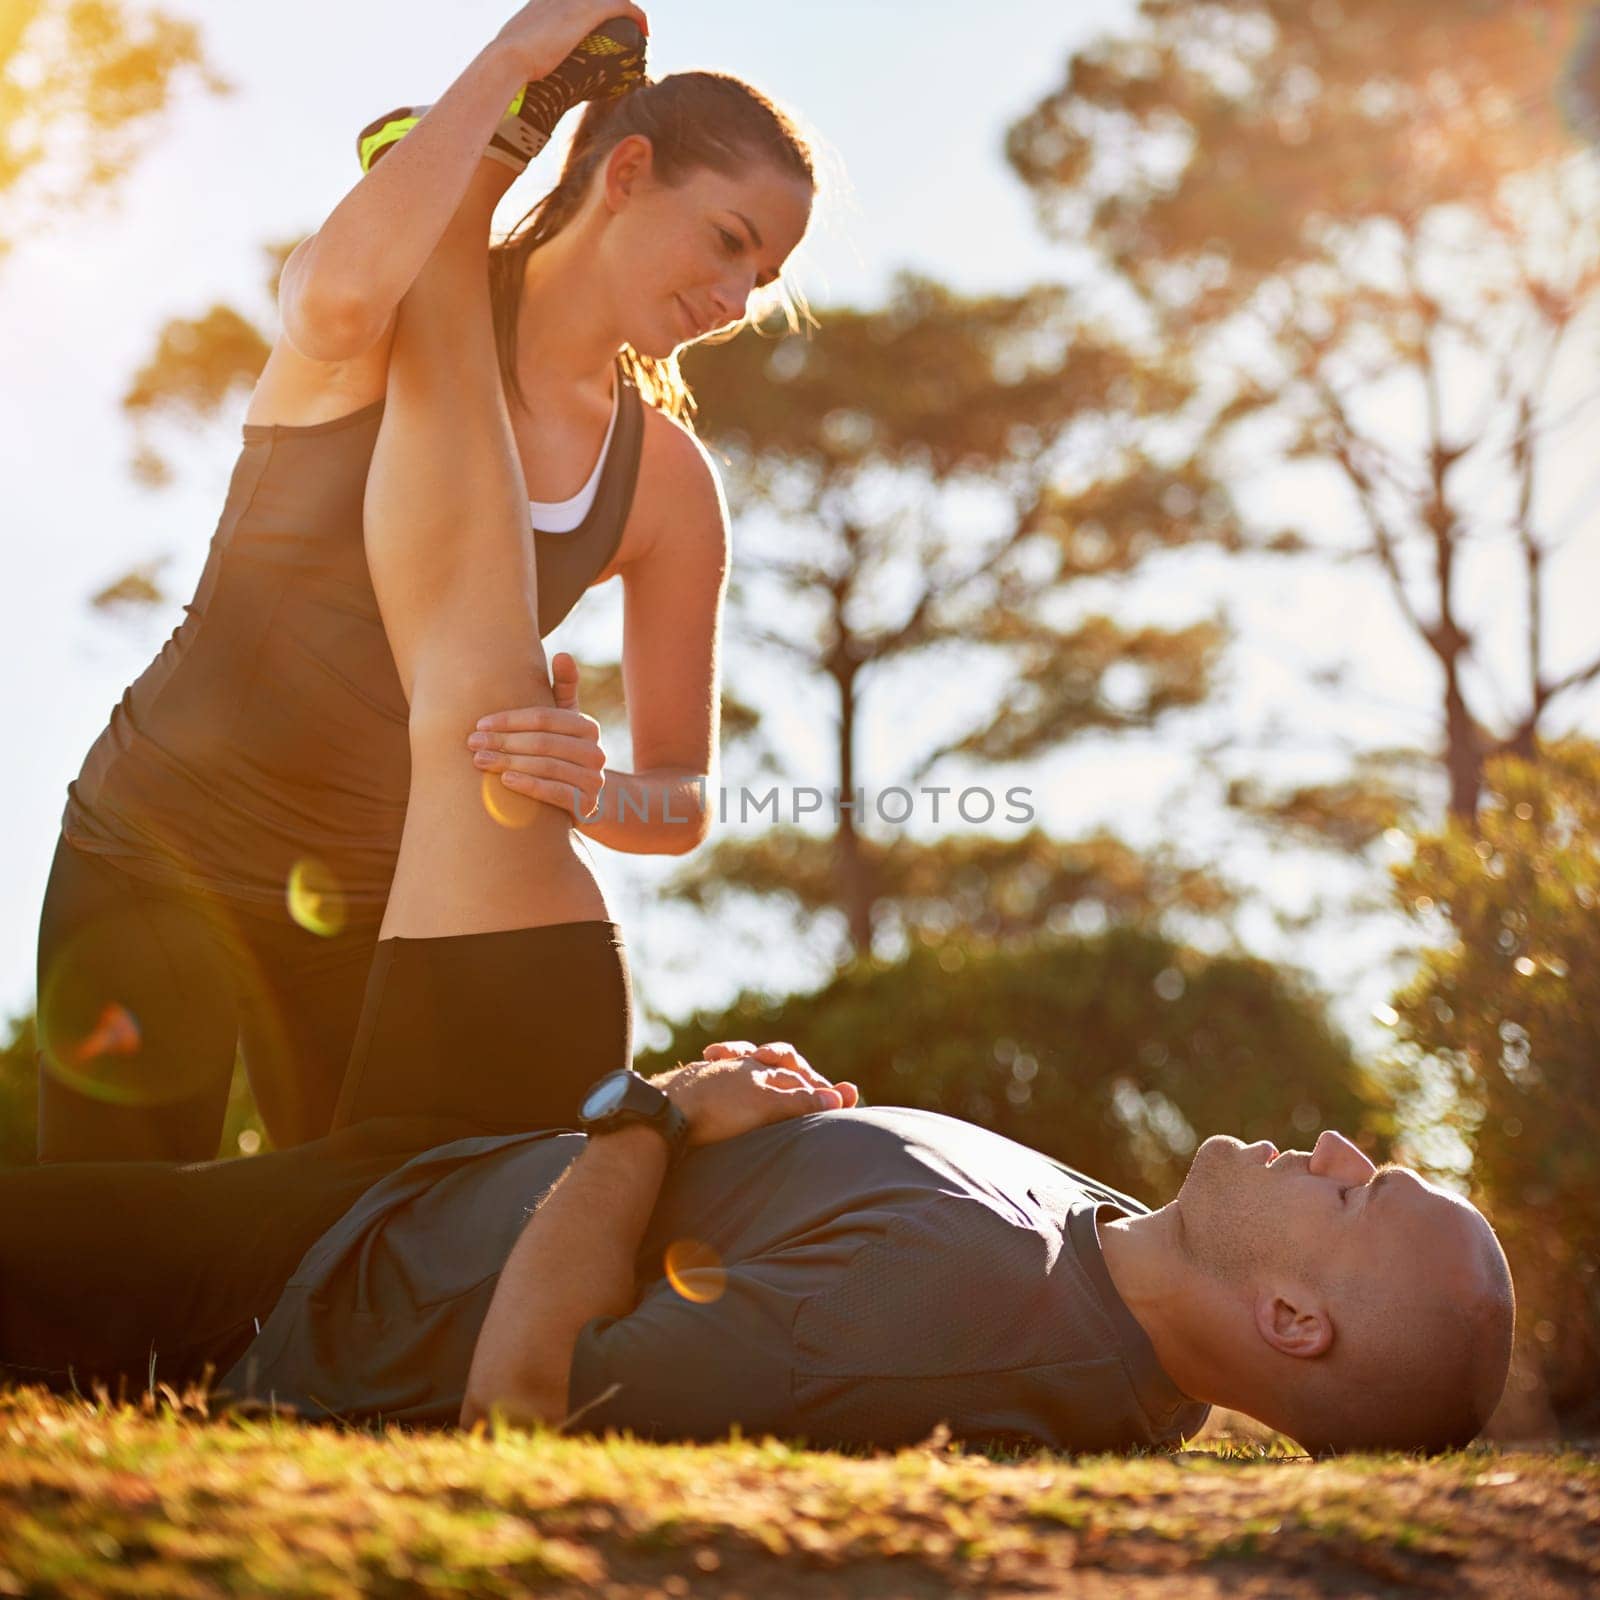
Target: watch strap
[643,1103]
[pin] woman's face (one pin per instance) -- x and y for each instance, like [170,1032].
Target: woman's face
[682,260]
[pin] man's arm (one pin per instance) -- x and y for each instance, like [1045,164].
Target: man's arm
[573,1262]
[575,1258]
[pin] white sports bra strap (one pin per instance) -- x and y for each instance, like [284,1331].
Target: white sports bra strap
[565,516]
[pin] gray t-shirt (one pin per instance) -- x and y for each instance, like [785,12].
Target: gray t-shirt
[872,1273]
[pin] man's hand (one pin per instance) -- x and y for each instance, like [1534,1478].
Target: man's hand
[549,753]
[739,1086]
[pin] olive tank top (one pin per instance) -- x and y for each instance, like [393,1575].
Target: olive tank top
[270,732]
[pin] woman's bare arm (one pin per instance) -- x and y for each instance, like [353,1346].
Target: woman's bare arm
[674,588]
[672,621]
[341,286]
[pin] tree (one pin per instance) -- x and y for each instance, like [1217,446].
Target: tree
[1355,213]
[83,85]
[998,888]
[1115,1054]
[920,486]
[1504,1013]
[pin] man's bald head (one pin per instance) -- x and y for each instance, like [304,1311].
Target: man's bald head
[1380,1305]
[1423,1329]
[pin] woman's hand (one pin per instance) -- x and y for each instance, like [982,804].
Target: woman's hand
[549,753]
[545,32]
[739,1086]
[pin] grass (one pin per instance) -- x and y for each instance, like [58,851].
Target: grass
[157,1499]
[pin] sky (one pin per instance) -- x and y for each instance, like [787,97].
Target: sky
[912,104]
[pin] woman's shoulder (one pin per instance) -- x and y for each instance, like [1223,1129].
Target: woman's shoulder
[675,445]
[679,496]
[675,461]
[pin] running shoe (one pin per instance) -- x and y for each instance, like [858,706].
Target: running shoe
[608,63]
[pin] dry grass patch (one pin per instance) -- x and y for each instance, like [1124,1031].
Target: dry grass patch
[160,1500]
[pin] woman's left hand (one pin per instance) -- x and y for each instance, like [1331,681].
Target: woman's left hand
[550,753]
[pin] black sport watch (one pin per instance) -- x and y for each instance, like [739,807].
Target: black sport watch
[622,1098]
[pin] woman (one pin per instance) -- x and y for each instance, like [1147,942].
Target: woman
[229,846]
[498,993]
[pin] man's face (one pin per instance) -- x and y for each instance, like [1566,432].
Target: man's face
[1300,1222]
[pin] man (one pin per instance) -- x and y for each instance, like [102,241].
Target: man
[856,1277]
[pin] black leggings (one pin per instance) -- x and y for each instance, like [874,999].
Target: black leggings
[102,1264]
[129,1273]
[146,993]
[503,1029]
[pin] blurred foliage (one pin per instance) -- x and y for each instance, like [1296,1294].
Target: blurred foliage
[199,365]
[1362,219]
[1113,1054]
[242,1131]
[938,381]
[976,883]
[139,586]
[83,85]
[1506,1007]
[919,485]
[1349,814]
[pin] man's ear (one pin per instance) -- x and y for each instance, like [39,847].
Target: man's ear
[1294,1325]
[628,165]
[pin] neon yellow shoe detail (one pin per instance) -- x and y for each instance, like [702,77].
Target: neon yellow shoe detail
[608,63]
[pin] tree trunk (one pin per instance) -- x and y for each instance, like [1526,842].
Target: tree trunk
[1463,754]
[853,875]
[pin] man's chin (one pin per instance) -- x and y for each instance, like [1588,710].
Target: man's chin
[1221,1154]
[1219,1147]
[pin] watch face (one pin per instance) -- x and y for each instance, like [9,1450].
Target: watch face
[606,1095]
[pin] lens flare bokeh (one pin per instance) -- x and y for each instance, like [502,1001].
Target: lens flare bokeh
[94,1044]
[114,1027]
[91,1033]
[315,898]
[115,1033]
[509,810]
[695,1271]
